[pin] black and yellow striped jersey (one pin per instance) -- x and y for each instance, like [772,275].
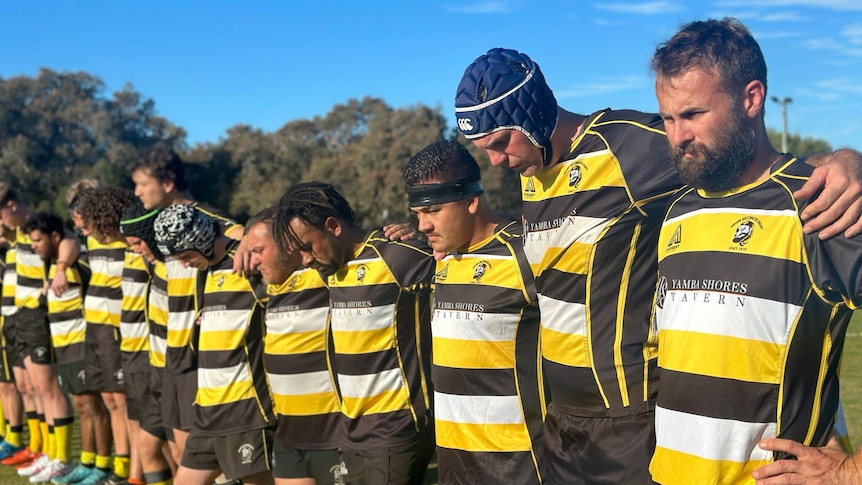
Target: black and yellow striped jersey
[232,394]
[66,313]
[751,315]
[380,318]
[10,277]
[183,302]
[489,401]
[30,272]
[591,224]
[297,363]
[134,325]
[157,314]
[104,299]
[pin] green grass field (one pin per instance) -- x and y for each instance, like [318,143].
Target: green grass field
[851,396]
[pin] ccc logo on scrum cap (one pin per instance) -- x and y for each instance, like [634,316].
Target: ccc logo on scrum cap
[464,124]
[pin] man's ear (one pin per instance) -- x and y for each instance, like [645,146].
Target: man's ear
[473,207]
[333,225]
[56,237]
[753,98]
[169,186]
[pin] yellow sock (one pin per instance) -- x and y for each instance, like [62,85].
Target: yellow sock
[43,428]
[35,432]
[121,466]
[88,458]
[52,443]
[103,462]
[2,420]
[13,435]
[63,439]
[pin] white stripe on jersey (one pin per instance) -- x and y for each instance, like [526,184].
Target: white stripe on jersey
[728,439]
[373,318]
[370,385]
[494,327]
[300,384]
[223,376]
[756,320]
[568,318]
[478,409]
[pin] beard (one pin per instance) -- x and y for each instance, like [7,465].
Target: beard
[719,167]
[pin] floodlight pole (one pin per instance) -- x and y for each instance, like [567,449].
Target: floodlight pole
[783,102]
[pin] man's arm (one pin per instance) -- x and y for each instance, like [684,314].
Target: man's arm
[67,253]
[839,207]
[824,465]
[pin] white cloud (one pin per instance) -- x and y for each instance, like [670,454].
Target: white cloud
[841,85]
[782,17]
[830,4]
[643,8]
[777,35]
[610,85]
[853,33]
[482,7]
[609,23]
[833,45]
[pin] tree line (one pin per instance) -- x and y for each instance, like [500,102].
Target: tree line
[59,127]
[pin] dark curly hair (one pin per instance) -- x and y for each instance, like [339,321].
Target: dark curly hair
[313,202]
[101,210]
[162,163]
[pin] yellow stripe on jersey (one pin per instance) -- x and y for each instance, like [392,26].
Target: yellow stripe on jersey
[215,340]
[231,393]
[602,166]
[473,354]
[566,349]
[101,317]
[307,404]
[295,343]
[64,340]
[362,272]
[783,226]
[481,437]
[754,361]
[32,272]
[107,280]
[676,467]
[363,342]
[385,402]
[502,275]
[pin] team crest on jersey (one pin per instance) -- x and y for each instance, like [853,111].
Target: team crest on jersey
[744,229]
[480,269]
[530,188]
[441,275]
[220,281]
[361,272]
[661,292]
[675,239]
[575,174]
[246,451]
[291,284]
[338,471]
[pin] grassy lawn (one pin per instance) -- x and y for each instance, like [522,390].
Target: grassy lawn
[851,395]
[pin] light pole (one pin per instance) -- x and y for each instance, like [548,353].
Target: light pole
[783,102]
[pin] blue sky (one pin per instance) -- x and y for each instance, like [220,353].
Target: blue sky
[212,64]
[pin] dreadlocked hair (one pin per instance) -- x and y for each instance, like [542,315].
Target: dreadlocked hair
[313,203]
[101,210]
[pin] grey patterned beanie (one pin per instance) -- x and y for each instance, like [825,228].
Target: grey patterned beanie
[181,228]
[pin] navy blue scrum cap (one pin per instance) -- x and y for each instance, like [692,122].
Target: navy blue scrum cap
[504,89]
